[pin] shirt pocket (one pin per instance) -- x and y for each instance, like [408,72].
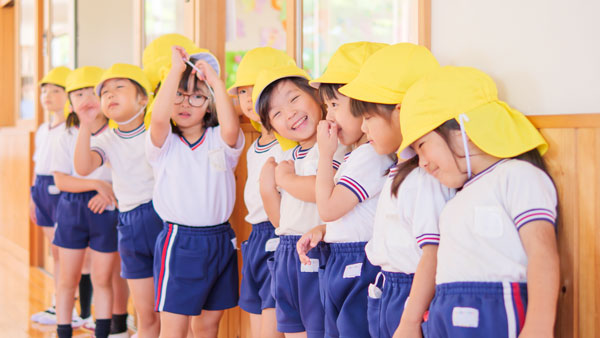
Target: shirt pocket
[216,158]
[487,222]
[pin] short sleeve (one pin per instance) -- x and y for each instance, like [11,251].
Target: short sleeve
[427,197]
[62,160]
[232,154]
[100,145]
[364,172]
[530,194]
[154,153]
[38,142]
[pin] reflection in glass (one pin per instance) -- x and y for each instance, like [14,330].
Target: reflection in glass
[162,17]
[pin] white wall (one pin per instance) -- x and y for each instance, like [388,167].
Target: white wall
[105,32]
[543,54]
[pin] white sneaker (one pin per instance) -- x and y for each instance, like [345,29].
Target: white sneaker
[76,321]
[88,324]
[49,312]
[119,335]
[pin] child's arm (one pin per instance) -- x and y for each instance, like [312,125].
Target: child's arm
[308,241]
[301,187]
[228,119]
[539,241]
[85,160]
[333,201]
[163,105]
[421,294]
[69,183]
[268,191]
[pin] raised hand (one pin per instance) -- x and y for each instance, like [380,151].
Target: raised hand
[327,138]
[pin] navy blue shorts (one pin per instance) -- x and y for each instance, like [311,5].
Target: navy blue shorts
[195,269]
[295,287]
[344,283]
[477,309]
[255,291]
[77,227]
[138,229]
[45,195]
[385,311]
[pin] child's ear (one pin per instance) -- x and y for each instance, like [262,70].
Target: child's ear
[397,107]
[142,100]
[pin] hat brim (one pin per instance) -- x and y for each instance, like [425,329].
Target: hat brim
[210,59]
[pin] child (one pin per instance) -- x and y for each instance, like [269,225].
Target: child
[287,105]
[255,291]
[498,240]
[123,91]
[193,159]
[347,202]
[86,214]
[44,194]
[405,234]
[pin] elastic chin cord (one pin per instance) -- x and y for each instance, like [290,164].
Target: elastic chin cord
[462,118]
[133,117]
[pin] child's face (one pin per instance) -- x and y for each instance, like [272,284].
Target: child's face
[84,100]
[53,97]
[383,133]
[437,158]
[120,99]
[349,126]
[245,98]
[293,113]
[190,108]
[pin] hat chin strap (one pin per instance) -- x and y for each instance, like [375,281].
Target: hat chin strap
[133,117]
[462,118]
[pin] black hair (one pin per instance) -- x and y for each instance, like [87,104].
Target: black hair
[54,84]
[72,120]
[360,108]
[210,118]
[264,104]
[329,91]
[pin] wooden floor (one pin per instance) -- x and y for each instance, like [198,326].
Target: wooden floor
[23,292]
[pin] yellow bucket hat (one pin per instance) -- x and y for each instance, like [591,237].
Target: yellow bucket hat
[389,72]
[346,62]
[469,96]
[268,76]
[157,55]
[125,71]
[253,62]
[83,77]
[56,76]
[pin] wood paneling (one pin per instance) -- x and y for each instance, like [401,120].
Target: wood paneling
[7,65]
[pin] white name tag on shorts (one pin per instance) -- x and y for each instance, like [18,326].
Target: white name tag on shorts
[313,267]
[272,244]
[110,207]
[53,190]
[465,317]
[234,242]
[352,270]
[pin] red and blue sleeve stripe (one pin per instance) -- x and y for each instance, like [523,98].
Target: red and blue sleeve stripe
[336,164]
[101,153]
[426,239]
[355,187]
[539,214]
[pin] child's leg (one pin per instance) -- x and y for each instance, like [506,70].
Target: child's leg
[268,324]
[49,233]
[120,298]
[102,268]
[173,325]
[295,335]
[206,325]
[142,292]
[255,324]
[72,261]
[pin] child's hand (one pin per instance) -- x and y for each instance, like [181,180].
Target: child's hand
[327,138]
[105,190]
[208,73]
[267,174]
[308,241]
[406,330]
[178,56]
[283,170]
[87,114]
[98,204]
[32,215]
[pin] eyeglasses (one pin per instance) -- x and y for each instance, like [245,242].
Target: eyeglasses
[195,100]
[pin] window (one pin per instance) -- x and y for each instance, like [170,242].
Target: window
[27,59]
[162,17]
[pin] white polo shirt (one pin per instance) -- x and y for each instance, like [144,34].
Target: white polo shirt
[45,142]
[256,156]
[297,216]
[123,152]
[363,172]
[404,224]
[195,183]
[65,150]
[480,226]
